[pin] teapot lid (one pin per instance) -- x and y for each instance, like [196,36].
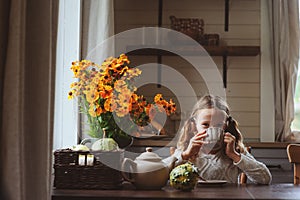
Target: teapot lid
[149,156]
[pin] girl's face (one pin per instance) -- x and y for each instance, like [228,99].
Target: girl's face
[211,117]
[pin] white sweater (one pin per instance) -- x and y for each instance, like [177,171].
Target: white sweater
[220,167]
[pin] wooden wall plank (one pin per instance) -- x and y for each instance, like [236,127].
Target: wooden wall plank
[243,75]
[244,104]
[192,75]
[211,4]
[244,62]
[214,17]
[250,133]
[237,90]
[243,89]
[247,118]
[137,17]
[234,62]
[135,5]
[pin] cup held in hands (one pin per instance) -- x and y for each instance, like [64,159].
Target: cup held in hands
[213,140]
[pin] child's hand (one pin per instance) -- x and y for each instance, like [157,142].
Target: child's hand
[230,150]
[194,146]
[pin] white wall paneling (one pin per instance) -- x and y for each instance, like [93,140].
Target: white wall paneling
[244,72]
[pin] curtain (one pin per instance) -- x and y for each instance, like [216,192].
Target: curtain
[284,21]
[27,38]
[97,26]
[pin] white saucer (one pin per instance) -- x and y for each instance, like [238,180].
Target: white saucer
[212,182]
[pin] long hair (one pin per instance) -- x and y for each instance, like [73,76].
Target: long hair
[207,102]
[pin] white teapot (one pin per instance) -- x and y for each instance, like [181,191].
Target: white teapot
[147,171]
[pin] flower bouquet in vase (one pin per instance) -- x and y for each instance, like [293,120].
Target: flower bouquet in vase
[107,96]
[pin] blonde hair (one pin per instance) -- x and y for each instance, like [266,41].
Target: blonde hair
[207,102]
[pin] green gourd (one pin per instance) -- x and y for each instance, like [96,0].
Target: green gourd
[184,177]
[105,144]
[80,147]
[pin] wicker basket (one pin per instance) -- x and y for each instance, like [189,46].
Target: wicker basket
[192,27]
[104,174]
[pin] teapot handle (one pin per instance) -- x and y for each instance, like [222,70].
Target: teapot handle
[132,167]
[86,141]
[89,141]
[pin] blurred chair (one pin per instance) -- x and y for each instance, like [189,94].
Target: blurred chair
[293,151]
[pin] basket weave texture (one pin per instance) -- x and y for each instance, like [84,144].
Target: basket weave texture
[193,28]
[104,173]
[189,26]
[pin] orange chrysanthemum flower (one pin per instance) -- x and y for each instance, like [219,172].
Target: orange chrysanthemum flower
[95,110]
[158,98]
[108,88]
[92,96]
[71,95]
[105,91]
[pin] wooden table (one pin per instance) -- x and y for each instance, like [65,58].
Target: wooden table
[226,191]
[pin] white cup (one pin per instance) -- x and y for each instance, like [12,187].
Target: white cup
[213,140]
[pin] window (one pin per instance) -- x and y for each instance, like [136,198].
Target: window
[74,24]
[65,117]
[296,121]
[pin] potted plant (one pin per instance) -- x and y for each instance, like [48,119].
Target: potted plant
[107,96]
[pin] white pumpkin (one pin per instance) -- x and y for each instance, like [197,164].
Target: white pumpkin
[105,144]
[80,147]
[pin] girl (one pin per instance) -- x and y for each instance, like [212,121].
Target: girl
[228,162]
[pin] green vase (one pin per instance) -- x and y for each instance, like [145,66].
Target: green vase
[123,140]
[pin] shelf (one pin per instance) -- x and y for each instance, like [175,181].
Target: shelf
[194,51]
[223,51]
